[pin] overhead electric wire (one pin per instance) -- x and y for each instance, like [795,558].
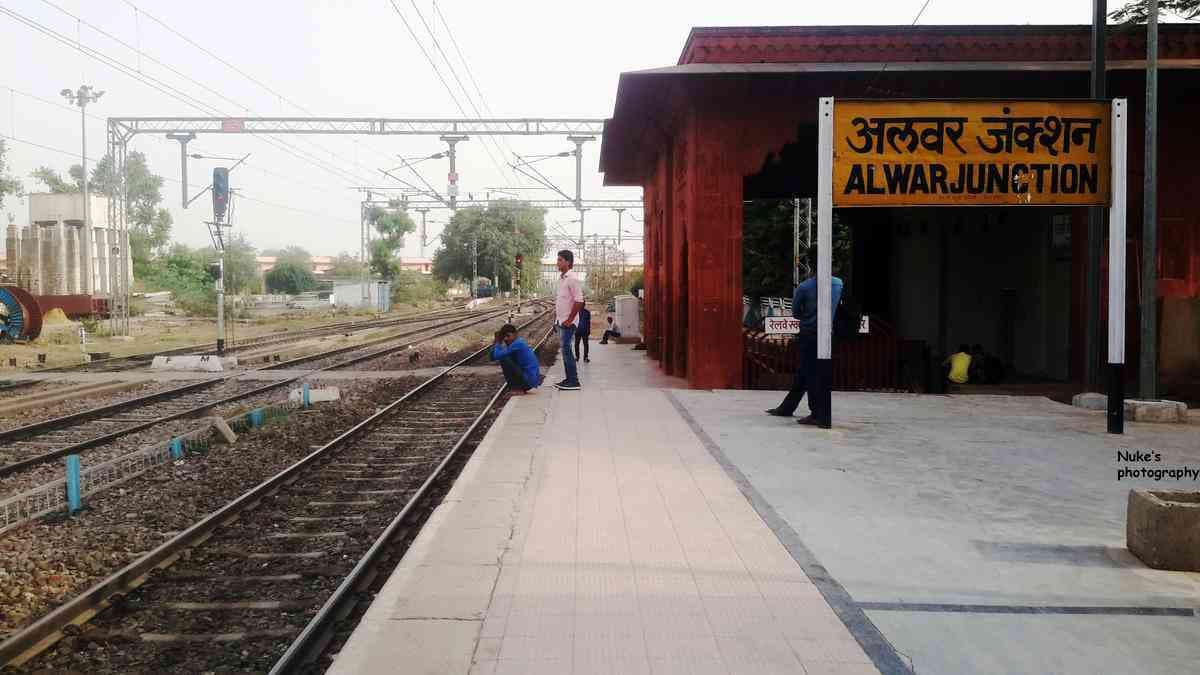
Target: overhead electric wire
[471,76]
[240,193]
[56,104]
[177,71]
[219,59]
[159,84]
[466,94]
[438,72]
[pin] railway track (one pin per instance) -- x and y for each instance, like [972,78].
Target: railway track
[48,440]
[119,363]
[260,584]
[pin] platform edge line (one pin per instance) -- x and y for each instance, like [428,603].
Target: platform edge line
[881,652]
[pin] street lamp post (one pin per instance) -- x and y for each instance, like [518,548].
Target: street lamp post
[82,98]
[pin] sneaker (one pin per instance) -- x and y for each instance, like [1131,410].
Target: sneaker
[568,386]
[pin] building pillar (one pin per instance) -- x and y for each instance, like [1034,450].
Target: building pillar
[31,255]
[49,243]
[672,216]
[61,232]
[103,274]
[71,259]
[713,258]
[12,252]
[651,209]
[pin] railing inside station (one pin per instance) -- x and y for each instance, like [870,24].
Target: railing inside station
[877,361]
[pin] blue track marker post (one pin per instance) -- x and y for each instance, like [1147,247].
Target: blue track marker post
[74,499]
[256,418]
[176,448]
[307,402]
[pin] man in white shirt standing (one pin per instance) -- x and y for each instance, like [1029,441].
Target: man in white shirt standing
[567,304]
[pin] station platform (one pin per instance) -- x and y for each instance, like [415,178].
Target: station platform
[594,531]
[637,526]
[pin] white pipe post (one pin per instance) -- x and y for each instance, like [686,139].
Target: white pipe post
[824,372]
[1116,272]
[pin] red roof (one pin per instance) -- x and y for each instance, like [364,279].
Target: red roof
[850,44]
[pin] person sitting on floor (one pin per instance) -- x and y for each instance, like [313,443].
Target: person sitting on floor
[611,332]
[957,366]
[517,360]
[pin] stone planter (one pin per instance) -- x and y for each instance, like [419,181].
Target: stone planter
[1162,528]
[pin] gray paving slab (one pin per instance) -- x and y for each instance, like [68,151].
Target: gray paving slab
[591,531]
[979,534]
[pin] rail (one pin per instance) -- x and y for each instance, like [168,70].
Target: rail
[302,649]
[25,644]
[100,412]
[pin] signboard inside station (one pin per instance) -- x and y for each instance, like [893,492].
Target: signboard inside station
[971,153]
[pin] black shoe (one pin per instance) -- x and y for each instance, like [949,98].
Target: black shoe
[809,421]
[586,360]
[568,386]
[777,413]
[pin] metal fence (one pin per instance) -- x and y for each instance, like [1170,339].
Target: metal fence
[878,361]
[52,496]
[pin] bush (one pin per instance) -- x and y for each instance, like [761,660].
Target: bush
[413,288]
[291,278]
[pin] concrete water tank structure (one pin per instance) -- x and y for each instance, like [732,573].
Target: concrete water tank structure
[56,255]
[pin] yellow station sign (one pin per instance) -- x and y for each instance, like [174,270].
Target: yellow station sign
[971,153]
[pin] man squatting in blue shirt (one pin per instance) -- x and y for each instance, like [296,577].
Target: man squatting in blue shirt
[517,360]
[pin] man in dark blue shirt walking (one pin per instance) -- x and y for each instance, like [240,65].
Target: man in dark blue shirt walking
[517,360]
[804,308]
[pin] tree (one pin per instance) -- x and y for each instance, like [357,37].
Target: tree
[290,277]
[1138,11]
[184,272]
[292,254]
[391,225]
[55,182]
[241,269]
[8,184]
[346,266]
[501,231]
[767,264]
[149,224]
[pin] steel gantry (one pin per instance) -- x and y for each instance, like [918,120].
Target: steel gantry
[122,129]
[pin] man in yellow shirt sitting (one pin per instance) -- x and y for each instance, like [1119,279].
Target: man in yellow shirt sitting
[958,365]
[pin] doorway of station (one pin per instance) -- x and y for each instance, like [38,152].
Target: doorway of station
[999,281]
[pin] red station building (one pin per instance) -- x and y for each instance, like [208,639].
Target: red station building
[735,121]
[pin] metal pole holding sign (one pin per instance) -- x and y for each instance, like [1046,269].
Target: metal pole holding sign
[1116,273]
[822,406]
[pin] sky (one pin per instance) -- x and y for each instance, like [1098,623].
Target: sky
[529,58]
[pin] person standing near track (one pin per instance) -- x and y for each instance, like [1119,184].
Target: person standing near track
[567,303]
[582,331]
